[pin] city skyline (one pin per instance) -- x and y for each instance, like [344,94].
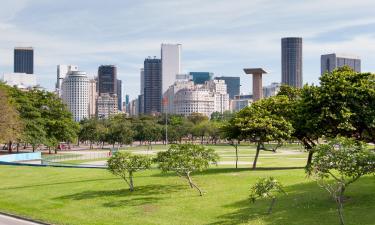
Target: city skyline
[212,37]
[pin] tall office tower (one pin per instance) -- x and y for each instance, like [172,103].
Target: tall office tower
[62,71]
[93,95]
[141,97]
[119,95]
[76,94]
[153,85]
[127,103]
[142,81]
[332,61]
[107,77]
[171,64]
[233,85]
[291,61]
[24,60]
[201,77]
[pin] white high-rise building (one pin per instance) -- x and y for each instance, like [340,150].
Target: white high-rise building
[93,95]
[75,93]
[171,64]
[62,71]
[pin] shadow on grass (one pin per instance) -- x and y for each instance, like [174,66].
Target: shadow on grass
[146,194]
[219,170]
[305,204]
[56,183]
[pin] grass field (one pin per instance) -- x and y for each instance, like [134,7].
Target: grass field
[94,196]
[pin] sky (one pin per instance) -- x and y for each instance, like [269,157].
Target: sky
[219,36]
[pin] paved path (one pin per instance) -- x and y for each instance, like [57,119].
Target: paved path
[7,220]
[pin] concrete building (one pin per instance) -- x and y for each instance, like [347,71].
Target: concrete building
[233,85]
[185,98]
[171,64]
[106,105]
[93,95]
[24,60]
[107,79]
[291,61]
[152,85]
[62,71]
[240,101]
[75,94]
[271,90]
[330,62]
[119,95]
[133,107]
[201,77]
[183,81]
[257,82]
[20,80]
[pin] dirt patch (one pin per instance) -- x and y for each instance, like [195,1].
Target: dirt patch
[149,208]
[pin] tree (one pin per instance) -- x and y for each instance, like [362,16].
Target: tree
[124,165]
[184,159]
[266,188]
[259,124]
[197,118]
[89,131]
[11,125]
[232,133]
[119,131]
[343,160]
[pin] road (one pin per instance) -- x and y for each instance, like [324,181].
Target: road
[7,220]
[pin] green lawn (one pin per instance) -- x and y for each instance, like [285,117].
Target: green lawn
[94,196]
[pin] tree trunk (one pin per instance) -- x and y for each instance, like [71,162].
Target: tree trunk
[256,156]
[55,150]
[236,146]
[131,185]
[271,206]
[18,147]
[340,209]
[49,150]
[10,146]
[309,158]
[194,185]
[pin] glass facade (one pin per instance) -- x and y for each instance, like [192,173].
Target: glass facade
[233,85]
[201,77]
[24,60]
[291,61]
[152,86]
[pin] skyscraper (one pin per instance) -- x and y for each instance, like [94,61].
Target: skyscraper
[76,94]
[142,81]
[107,77]
[291,61]
[171,64]
[152,85]
[93,95]
[332,61]
[201,77]
[119,94]
[62,71]
[24,60]
[233,85]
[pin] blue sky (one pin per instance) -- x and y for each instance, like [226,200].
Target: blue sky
[220,36]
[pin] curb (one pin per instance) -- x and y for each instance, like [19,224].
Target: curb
[24,218]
